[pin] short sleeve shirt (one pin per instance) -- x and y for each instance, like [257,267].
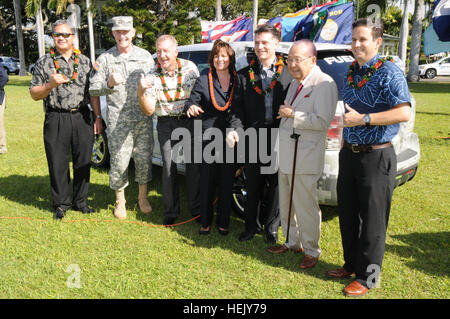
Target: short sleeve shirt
[65,96]
[189,74]
[386,88]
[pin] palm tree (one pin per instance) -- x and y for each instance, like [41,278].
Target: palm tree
[34,8]
[20,47]
[416,40]
[404,31]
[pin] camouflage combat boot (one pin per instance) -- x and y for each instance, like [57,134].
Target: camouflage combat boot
[120,211]
[144,205]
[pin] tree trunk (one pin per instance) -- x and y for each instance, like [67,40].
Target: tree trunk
[20,47]
[404,32]
[40,32]
[416,40]
[255,15]
[218,10]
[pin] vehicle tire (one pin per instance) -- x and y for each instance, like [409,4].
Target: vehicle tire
[430,73]
[100,152]
[239,192]
[17,72]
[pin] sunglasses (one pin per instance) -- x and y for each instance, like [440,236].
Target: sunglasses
[64,35]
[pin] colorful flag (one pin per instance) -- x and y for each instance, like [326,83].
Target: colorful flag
[336,26]
[240,29]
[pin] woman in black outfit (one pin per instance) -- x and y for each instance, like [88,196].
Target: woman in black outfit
[210,102]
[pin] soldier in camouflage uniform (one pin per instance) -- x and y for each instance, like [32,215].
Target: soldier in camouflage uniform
[129,130]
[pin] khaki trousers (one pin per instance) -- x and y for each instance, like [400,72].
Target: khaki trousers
[306,217]
[2,127]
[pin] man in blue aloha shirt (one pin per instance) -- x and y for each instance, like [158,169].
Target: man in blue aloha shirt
[377,99]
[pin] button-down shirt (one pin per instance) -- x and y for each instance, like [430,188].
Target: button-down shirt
[386,88]
[65,96]
[266,80]
[189,74]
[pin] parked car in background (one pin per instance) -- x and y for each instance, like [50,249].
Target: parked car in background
[439,67]
[11,65]
[334,60]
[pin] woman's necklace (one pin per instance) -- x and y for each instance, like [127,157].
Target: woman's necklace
[211,93]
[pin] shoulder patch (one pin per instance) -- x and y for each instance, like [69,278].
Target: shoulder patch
[96,66]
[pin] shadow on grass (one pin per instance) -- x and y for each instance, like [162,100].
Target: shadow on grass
[35,191]
[254,249]
[427,252]
[428,87]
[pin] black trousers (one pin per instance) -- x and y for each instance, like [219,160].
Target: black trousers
[262,206]
[170,187]
[365,186]
[218,176]
[69,135]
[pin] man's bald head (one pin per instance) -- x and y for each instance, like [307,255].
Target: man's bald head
[302,59]
[306,46]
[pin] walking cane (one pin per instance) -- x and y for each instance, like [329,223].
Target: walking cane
[295,136]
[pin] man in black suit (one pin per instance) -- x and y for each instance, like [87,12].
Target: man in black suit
[261,89]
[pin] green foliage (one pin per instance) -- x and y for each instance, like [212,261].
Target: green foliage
[147,21]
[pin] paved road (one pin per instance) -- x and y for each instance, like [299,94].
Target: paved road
[437,79]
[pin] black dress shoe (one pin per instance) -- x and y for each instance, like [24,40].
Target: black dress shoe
[246,236]
[168,221]
[59,213]
[271,238]
[84,209]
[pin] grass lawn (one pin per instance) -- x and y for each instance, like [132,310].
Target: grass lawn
[139,259]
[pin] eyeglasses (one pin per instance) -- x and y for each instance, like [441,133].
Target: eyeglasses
[296,60]
[64,35]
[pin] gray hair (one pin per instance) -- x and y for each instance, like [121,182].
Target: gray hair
[62,22]
[165,37]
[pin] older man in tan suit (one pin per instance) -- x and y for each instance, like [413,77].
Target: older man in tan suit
[308,111]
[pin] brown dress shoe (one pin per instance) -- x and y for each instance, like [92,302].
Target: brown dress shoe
[308,262]
[355,289]
[281,249]
[339,273]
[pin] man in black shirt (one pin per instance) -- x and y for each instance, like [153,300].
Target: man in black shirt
[61,79]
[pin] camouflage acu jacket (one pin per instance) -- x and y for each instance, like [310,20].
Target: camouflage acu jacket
[122,100]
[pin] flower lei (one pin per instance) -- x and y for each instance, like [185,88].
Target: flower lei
[211,93]
[366,76]
[75,65]
[275,77]
[164,85]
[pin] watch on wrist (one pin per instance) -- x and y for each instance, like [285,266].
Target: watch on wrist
[366,119]
[98,116]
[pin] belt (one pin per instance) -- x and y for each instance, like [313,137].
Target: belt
[365,148]
[74,110]
[179,117]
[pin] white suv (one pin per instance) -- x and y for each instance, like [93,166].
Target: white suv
[334,60]
[440,67]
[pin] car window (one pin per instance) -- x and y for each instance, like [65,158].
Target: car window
[335,65]
[200,58]
[446,61]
